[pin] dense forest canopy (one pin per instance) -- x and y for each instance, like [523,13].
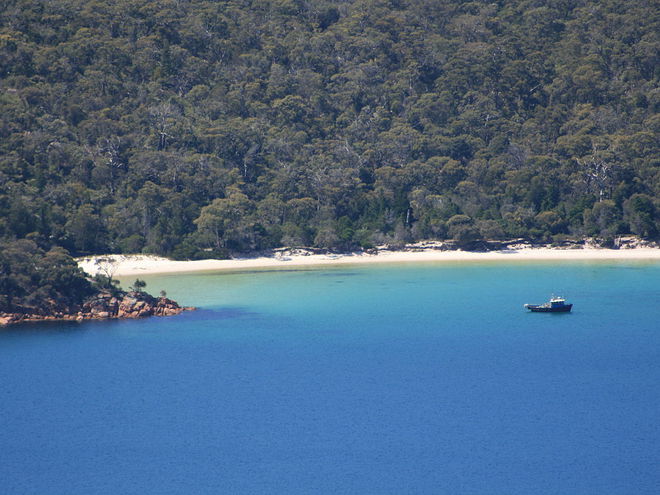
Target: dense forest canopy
[176,126]
[31,279]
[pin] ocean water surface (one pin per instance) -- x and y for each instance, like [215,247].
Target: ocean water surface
[420,378]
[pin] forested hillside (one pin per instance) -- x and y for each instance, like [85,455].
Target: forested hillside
[175,126]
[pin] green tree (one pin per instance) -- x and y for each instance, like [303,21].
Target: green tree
[139,285]
[642,215]
[227,222]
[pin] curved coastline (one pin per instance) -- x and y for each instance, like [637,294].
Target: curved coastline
[129,265]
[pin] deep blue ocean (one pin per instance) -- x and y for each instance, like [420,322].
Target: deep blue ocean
[358,379]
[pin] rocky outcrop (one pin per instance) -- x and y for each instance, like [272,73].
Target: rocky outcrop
[105,306]
[138,304]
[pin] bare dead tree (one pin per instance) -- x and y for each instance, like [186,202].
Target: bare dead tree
[107,266]
[163,119]
[112,151]
[596,172]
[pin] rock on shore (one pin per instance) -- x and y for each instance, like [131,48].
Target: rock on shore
[105,306]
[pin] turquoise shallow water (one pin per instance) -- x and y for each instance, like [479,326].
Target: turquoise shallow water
[374,379]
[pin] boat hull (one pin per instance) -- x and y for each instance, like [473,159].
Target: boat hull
[541,309]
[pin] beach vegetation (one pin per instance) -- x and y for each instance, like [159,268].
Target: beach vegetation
[138,286]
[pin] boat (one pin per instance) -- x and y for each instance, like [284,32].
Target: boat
[555,305]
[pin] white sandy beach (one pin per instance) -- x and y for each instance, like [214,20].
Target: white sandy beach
[127,265]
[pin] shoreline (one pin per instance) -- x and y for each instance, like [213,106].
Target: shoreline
[129,265]
[103,306]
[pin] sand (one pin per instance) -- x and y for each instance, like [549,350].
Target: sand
[128,265]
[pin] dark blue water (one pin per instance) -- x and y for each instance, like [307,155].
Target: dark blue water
[414,379]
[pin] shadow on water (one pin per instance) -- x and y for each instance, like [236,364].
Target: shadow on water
[260,271]
[68,327]
[227,313]
[57,327]
[550,314]
[339,274]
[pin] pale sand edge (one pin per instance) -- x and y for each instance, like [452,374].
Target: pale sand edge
[147,265]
